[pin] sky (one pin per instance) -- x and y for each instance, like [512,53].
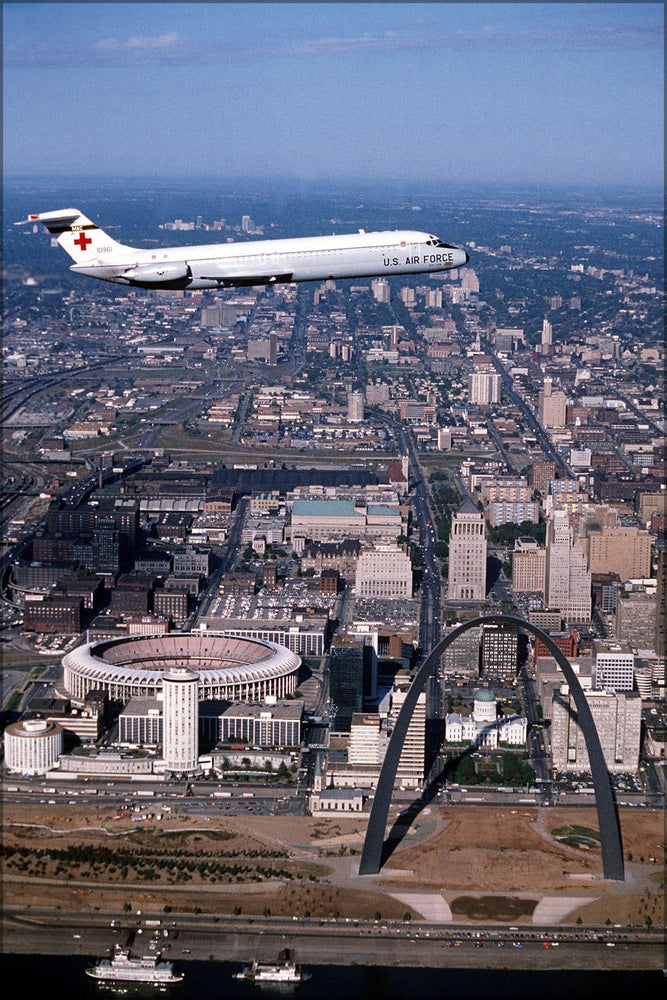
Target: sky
[543,93]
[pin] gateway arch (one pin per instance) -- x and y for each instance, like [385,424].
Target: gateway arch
[610,837]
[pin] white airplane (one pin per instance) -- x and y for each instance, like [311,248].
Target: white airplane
[221,265]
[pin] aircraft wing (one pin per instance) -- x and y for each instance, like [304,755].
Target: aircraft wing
[236,273]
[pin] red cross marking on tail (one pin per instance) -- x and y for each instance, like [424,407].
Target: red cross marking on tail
[82,241]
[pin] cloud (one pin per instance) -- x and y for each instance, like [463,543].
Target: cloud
[108,51]
[171,47]
[625,36]
[139,43]
[388,41]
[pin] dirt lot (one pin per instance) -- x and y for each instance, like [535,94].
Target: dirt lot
[487,863]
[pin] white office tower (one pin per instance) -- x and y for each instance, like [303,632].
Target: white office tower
[547,336]
[384,572]
[484,386]
[469,280]
[567,584]
[355,407]
[381,290]
[180,746]
[614,666]
[368,741]
[467,555]
[410,772]
[617,718]
[33,746]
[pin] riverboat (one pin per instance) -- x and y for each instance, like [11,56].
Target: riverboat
[123,967]
[283,971]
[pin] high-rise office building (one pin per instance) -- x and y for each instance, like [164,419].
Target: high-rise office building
[512,512]
[467,555]
[385,572]
[551,406]
[635,619]
[547,336]
[541,474]
[567,577]
[484,386]
[180,734]
[499,653]
[352,676]
[661,609]
[508,338]
[410,771]
[368,742]
[355,407]
[381,290]
[614,666]
[33,746]
[617,718]
[528,563]
[461,659]
[469,280]
[625,551]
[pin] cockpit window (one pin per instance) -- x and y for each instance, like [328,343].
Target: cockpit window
[433,241]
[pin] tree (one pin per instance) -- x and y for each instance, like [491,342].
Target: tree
[466,773]
[511,770]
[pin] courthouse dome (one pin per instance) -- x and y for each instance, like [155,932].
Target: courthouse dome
[485,695]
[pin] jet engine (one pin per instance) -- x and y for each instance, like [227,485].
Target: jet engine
[158,273]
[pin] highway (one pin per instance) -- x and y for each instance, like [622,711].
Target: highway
[431,609]
[205,937]
[226,564]
[528,414]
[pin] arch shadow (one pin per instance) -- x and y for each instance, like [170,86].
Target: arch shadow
[610,835]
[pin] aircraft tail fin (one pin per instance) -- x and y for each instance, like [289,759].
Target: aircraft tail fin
[78,236]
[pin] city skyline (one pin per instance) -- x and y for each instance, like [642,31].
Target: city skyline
[265,485]
[489,93]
